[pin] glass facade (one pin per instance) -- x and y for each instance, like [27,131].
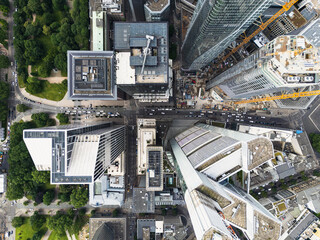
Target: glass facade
[214,26]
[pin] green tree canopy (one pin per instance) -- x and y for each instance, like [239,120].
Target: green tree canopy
[17,222]
[22,108]
[48,197]
[37,221]
[79,197]
[4,61]
[41,176]
[315,141]
[40,119]
[63,118]
[60,222]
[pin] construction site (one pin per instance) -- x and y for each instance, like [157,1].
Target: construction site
[262,46]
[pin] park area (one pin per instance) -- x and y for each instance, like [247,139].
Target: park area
[45,30]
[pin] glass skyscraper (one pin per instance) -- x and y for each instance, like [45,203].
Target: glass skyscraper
[214,26]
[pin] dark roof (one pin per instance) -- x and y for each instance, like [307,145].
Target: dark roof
[104,232]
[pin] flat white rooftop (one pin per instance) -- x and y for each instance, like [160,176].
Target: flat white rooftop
[125,74]
[42,159]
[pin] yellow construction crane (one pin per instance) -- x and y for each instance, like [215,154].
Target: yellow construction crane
[246,39]
[283,96]
[298,52]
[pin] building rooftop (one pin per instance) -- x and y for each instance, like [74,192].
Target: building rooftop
[293,59]
[113,7]
[143,201]
[76,167]
[145,227]
[117,225]
[148,47]
[154,175]
[103,192]
[157,5]
[91,75]
[146,137]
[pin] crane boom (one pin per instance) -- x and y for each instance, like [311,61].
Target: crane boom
[145,51]
[283,96]
[284,8]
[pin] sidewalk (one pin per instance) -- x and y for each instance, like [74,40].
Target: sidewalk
[69,103]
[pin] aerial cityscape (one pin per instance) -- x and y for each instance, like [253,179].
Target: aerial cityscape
[159,119]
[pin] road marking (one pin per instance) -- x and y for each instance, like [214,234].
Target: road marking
[311,118]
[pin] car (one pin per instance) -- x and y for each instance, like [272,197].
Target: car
[150,114]
[163,113]
[251,121]
[249,117]
[263,117]
[4,201]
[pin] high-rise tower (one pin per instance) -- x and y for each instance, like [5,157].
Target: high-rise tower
[214,26]
[74,153]
[285,63]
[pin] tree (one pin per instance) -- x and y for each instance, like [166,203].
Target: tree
[37,236]
[4,61]
[58,4]
[40,119]
[48,197]
[41,176]
[64,197]
[22,108]
[4,91]
[315,141]
[79,197]
[35,6]
[17,222]
[33,30]
[33,51]
[60,62]
[60,222]
[37,221]
[46,30]
[115,213]
[63,118]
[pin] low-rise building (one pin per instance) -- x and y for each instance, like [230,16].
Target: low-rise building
[143,201]
[107,228]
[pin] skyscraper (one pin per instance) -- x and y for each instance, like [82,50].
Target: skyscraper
[75,153]
[285,63]
[204,156]
[214,26]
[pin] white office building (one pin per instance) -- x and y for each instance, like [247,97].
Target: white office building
[75,154]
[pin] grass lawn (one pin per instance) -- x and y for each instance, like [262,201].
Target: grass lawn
[48,186]
[21,83]
[55,236]
[52,91]
[26,232]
